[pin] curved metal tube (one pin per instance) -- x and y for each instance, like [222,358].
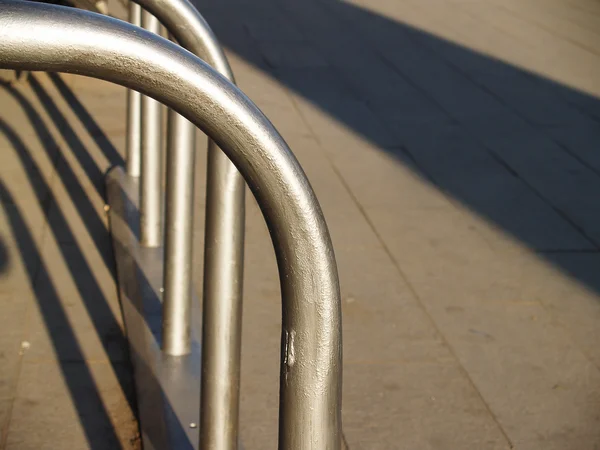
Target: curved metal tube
[190,29]
[224,244]
[53,38]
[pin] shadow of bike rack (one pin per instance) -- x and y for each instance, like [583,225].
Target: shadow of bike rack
[52,38]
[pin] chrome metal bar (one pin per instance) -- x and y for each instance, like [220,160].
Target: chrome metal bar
[223,255]
[151,164]
[35,36]
[133,145]
[179,227]
[222,304]
[179,222]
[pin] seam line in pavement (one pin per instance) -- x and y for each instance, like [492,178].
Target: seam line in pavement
[401,273]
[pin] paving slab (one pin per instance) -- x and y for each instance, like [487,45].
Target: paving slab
[81,405]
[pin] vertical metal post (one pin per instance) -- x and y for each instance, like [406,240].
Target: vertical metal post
[151,173]
[179,231]
[223,252]
[179,225]
[133,145]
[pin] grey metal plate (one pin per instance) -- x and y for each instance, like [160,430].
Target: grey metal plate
[167,387]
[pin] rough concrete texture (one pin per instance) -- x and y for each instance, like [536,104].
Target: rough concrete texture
[454,148]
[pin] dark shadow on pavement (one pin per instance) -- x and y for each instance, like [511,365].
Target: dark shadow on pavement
[516,148]
[88,214]
[94,417]
[92,127]
[85,394]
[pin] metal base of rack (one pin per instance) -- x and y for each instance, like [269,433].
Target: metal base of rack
[167,387]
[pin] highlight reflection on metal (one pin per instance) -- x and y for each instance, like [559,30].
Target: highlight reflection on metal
[151,165]
[179,223]
[224,244]
[43,37]
[133,145]
[179,217]
[224,247]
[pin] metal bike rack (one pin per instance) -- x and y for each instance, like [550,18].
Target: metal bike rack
[224,238]
[51,38]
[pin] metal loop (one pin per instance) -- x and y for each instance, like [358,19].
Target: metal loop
[52,38]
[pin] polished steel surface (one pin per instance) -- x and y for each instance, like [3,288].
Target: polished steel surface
[151,164]
[52,38]
[133,144]
[179,226]
[179,218]
[224,247]
[179,221]
[222,303]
